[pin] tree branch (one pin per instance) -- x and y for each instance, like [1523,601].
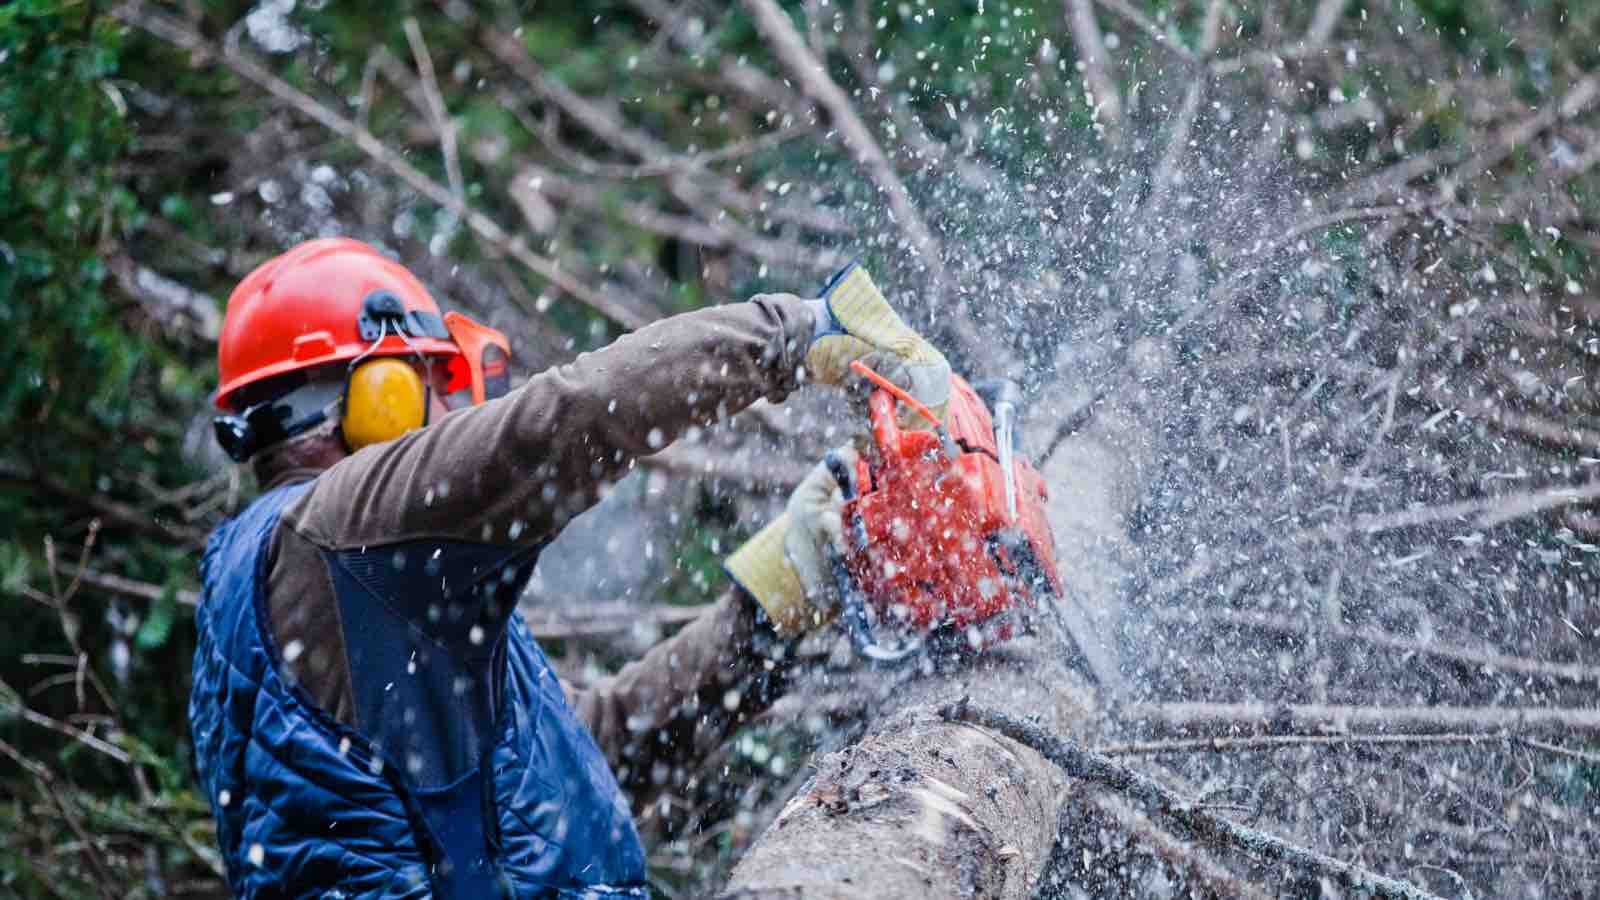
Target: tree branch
[1092,51]
[1273,742]
[442,123]
[774,25]
[1476,659]
[1158,800]
[1226,718]
[167,29]
[46,781]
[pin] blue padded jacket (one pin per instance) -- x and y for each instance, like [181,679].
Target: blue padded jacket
[308,807]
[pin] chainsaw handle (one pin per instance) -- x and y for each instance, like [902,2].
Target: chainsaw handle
[840,470]
[853,616]
[852,599]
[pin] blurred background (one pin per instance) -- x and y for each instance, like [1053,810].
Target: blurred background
[1333,261]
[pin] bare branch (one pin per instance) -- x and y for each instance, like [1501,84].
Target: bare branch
[442,123]
[1178,140]
[1477,659]
[1226,718]
[1323,22]
[104,882]
[128,587]
[167,29]
[531,181]
[1092,51]
[10,699]
[602,620]
[1579,98]
[1142,22]
[1270,743]
[1185,856]
[1485,512]
[1078,762]
[775,25]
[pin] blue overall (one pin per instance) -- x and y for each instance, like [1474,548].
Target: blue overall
[469,775]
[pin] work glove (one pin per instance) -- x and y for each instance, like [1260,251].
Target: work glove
[787,566]
[855,322]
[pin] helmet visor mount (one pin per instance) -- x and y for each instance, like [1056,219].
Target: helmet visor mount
[382,312]
[482,372]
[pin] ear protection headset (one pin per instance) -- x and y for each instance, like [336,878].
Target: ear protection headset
[380,398]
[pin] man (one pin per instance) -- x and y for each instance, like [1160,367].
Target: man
[370,715]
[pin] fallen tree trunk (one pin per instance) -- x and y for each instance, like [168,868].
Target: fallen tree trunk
[923,807]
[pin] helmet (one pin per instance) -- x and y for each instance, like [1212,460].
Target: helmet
[334,301]
[323,301]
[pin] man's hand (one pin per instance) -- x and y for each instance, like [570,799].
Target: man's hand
[787,567]
[855,322]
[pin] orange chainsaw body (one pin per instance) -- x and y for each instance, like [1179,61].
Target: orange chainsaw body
[929,539]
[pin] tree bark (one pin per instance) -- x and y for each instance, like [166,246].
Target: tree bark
[927,808]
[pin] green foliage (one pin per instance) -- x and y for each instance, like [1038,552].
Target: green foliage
[62,126]
[87,400]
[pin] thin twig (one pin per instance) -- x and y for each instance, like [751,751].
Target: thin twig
[1092,54]
[70,624]
[1478,659]
[1323,22]
[1486,512]
[774,24]
[1273,742]
[1592,759]
[129,587]
[7,692]
[1226,718]
[610,619]
[1151,29]
[46,781]
[442,122]
[1199,869]
[1268,743]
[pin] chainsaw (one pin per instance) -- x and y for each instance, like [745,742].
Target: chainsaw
[946,544]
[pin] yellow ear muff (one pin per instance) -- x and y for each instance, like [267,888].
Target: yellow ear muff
[384,399]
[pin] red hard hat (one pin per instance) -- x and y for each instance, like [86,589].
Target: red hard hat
[323,301]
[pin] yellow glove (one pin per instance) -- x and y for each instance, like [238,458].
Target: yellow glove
[785,566]
[854,321]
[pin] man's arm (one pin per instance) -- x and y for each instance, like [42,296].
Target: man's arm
[508,474]
[658,717]
[515,470]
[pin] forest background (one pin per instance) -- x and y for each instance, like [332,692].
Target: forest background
[1349,243]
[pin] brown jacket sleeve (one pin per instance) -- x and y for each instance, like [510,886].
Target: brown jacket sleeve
[515,470]
[664,712]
